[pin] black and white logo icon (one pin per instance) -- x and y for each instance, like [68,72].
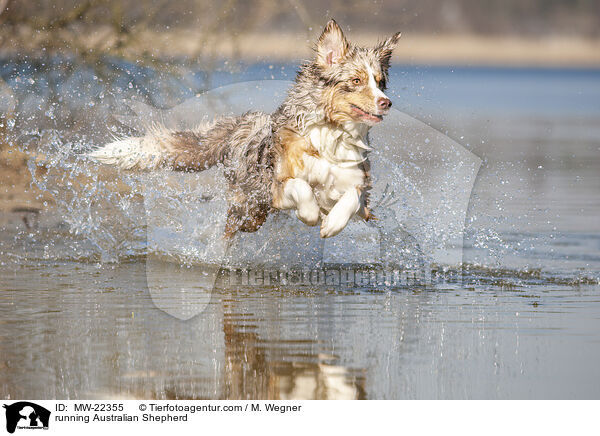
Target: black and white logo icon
[26,415]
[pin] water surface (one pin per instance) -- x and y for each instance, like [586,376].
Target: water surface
[520,318]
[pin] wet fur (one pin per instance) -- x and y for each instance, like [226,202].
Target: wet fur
[270,160]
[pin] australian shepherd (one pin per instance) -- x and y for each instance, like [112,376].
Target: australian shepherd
[310,155]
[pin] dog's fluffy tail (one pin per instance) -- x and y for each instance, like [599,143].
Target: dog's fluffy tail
[132,153]
[188,150]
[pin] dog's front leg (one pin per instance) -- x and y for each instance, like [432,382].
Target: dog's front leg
[297,194]
[342,211]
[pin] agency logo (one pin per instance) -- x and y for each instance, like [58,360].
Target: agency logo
[26,415]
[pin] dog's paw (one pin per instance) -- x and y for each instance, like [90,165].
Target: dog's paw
[332,225]
[309,216]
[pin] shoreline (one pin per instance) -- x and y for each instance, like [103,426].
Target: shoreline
[413,49]
[443,50]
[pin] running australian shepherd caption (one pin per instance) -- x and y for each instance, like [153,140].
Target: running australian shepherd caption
[310,155]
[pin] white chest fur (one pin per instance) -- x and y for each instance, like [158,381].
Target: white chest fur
[338,167]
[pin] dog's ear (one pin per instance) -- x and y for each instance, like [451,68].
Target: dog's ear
[385,48]
[332,46]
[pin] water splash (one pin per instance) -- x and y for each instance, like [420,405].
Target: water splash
[422,186]
[422,183]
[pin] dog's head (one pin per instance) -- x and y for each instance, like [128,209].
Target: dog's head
[354,78]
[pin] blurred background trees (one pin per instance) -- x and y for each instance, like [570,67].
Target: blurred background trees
[523,17]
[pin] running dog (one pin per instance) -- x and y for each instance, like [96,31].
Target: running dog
[310,155]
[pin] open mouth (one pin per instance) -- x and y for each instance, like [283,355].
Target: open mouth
[367,115]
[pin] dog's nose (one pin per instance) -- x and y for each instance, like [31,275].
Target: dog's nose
[384,103]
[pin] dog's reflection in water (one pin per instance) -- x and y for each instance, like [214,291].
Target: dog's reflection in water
[251,374]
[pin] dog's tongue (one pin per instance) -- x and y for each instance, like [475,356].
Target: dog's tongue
[373,118]
[367,116]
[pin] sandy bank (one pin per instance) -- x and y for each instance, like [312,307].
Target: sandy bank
[464,49]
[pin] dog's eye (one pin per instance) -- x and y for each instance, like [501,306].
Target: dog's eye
[356,81]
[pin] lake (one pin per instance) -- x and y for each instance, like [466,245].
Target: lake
[514,313]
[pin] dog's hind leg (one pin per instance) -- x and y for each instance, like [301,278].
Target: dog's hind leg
[244,219]
[297,194]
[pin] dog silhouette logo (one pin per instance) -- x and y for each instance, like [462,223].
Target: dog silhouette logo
[26,415]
